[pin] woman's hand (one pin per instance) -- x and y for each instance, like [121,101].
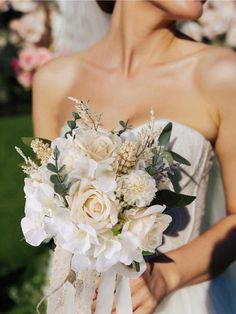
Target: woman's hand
[145,294]
[147,291]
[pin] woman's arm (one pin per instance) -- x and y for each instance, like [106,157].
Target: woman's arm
[210,253]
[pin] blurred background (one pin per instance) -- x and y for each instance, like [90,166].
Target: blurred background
[31,34]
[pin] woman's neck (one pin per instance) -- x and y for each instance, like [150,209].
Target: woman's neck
[139,35]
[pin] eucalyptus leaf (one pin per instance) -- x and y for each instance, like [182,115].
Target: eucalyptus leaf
[59,189]
[55,179]
[122,123]
[179,158]
[164,137]
[52,167]
[71,124]
[62,168]
[172,199]
[76,115]
[56,152]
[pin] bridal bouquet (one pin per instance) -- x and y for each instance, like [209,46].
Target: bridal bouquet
[101,195]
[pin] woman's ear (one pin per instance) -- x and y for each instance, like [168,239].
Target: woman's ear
[106,5]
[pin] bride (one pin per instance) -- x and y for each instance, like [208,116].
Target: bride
[142,62]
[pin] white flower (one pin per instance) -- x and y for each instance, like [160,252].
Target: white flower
[107,253]
[24,6]
[69,152]
[138,188]
[193,30]
[98,145]
[147,225]
[77,238]
[90,205]
[231,36]
[101,173]
[43,211]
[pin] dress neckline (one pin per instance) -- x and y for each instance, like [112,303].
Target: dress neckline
[162,120]
[198,133]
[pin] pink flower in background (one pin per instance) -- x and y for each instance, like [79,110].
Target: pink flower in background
[25,78]
[42,56]
[27,58]
[30,27]
[15,65]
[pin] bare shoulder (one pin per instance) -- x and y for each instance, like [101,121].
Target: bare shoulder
[56,76]
[216,72]
[50,87]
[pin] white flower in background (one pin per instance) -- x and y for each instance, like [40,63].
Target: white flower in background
[98,145]
[41,212]
[192,29]
[148,225]
[24,6]
[138,188]
[90,205]
[231,36]
[30,27]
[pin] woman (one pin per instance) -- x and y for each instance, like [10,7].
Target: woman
[141,62]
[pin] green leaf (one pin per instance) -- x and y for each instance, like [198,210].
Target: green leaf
[59,189]
[71,124]
[76,115]
[122,123]
[167,155]
[55,179]
[146,253]
[62,168]
[137,266]
[172,199]
[27,140]
[179,158]
[56,153]
[164,137]
[52,167]
[151,170]
[115,231]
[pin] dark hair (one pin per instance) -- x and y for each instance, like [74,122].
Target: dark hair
[106,5]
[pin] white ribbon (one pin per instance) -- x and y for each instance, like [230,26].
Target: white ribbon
[116,282]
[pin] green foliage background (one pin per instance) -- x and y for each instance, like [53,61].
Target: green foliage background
[22,267]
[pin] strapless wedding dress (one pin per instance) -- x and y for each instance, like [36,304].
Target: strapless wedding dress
[216,296]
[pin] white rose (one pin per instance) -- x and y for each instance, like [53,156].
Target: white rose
[98,145]
[69,152]
[138,188]
[148,225]
[90,205]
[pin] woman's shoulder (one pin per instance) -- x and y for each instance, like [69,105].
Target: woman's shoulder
[59,71]
[217,62]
